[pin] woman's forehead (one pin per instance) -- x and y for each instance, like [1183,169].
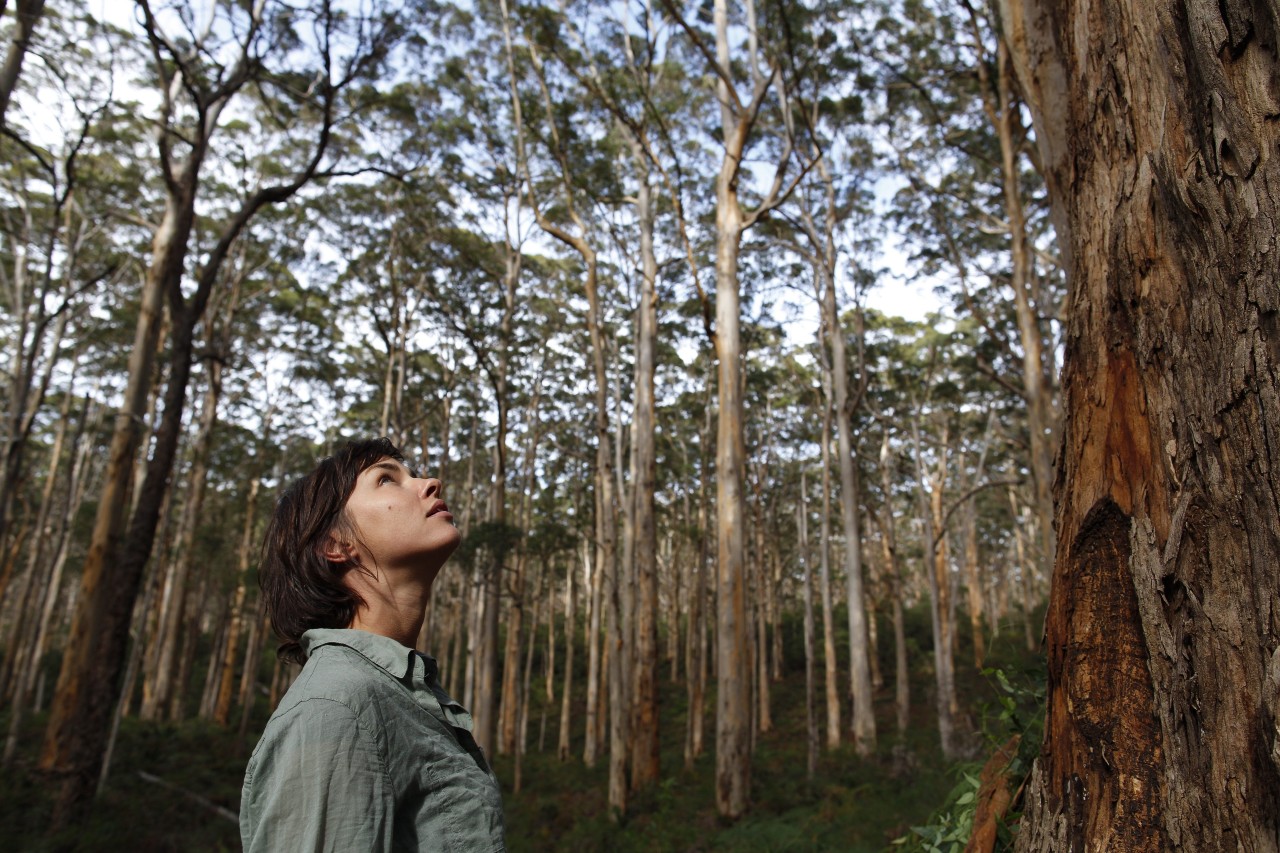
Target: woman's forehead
[388,463]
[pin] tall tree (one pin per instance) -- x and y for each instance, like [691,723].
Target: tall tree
[196,87]
[1163,634]
[725,54]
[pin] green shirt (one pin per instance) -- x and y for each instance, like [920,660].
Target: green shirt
[368,752]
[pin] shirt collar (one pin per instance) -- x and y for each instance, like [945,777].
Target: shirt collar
[383,651]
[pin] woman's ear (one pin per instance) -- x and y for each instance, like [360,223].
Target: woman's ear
[337,551]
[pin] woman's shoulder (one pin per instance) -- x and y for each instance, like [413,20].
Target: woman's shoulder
[335,674]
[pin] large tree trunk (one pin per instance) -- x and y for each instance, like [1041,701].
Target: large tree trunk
[1155,127]
[158,687]
[87,681]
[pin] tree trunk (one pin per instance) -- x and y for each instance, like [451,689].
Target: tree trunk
[222,708]
[158,693]
[87,683]
[832,681]
[1161,731]
[810,712]
[570,629]
[893,571]
[644,698]
[26,13]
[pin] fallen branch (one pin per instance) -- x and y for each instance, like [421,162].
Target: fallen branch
[222,811]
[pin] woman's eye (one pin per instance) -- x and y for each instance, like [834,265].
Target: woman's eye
[386,478]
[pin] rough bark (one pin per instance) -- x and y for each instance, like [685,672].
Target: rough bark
[1162,627]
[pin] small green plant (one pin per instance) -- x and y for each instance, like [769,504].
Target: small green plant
[1019,710]
[949,827]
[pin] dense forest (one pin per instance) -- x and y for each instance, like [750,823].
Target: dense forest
[621,276]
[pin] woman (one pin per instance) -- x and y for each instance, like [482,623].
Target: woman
[366,750]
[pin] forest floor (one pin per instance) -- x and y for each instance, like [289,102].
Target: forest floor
[168,780]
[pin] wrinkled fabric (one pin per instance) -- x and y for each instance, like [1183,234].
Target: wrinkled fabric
[368,752]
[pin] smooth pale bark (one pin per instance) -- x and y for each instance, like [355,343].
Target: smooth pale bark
[737,121]
[644,690]
[1154,126]
[733,691]
[696,640]
[831,680]
[511,703]
[570,629]
[810,712]
[893,571]
[485,708]
[929,503]
[864,721]
[1004,112]
[606,563]
[595,602]
[759,594]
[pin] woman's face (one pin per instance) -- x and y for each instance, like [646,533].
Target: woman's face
[400,521]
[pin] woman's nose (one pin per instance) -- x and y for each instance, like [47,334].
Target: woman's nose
[430,487]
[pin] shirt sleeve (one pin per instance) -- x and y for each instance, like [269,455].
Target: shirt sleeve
[316,782]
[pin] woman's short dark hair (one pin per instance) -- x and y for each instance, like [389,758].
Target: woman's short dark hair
[303,588]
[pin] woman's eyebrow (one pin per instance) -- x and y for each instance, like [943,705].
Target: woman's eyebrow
[389,465]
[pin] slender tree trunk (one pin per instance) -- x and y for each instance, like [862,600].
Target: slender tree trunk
[222,709]
[864,721]
[831,680]
[252,654]
[644,698]
[810,711]
[595,593]
[929,500]
[570,629]
[889,542]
